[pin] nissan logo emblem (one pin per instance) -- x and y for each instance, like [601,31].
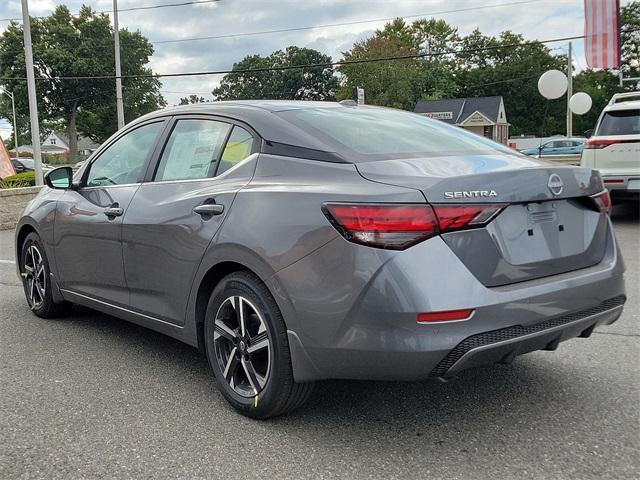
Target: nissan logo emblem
[555,184]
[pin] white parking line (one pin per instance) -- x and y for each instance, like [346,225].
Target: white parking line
[8,261]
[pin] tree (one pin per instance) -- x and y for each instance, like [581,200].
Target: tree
[77,46]
[401,83]
[191,99]
[491,66]
[316,83]
[630,37]
[600,85]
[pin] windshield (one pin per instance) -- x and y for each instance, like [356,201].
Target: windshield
[366,133]
[620,122]
[27,163]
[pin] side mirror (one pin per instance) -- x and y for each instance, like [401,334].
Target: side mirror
[588,133]
[60,178]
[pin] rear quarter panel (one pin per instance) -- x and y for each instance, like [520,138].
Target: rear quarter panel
[276,220]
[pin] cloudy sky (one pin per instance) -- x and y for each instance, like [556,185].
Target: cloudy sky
[535,19]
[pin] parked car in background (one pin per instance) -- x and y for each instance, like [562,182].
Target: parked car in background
[614,149]
[21,165]
[300,241]
[557,146]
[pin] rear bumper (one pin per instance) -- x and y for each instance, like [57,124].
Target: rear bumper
[351,311]
[502,346]
[622,184]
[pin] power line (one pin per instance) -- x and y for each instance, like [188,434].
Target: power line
[342,24]
[165,5]
[303,66]
[132,9]
[329,25]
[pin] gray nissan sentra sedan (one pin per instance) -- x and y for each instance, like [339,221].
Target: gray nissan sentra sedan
[298,241]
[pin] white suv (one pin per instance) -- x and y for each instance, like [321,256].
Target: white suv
[614,149]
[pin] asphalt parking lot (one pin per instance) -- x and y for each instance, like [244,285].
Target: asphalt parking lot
[92,396]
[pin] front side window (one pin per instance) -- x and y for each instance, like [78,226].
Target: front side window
[193,150]
[123,160]
[238,148]
[620,122]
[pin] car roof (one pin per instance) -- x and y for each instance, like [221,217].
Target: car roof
[259,115]
[623,105]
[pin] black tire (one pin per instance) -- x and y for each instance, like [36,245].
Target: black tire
[40,300]
[279,394]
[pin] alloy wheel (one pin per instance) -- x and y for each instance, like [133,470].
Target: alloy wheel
[35,277]
[242,346]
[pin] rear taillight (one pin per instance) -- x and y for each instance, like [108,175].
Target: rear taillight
[398,226]
[458,217]
[395,226]
[596,144]
[602,201]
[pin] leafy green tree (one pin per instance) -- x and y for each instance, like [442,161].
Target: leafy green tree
[191,99]
[316,83]
[401,83]
[630,37]
[389,83]
[600,85]
[76,46]
[494,66]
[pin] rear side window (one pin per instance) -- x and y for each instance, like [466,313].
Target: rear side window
[620,122]
[238,148]
[193,150]
[369,133]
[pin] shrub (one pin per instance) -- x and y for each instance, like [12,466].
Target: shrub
[24,179]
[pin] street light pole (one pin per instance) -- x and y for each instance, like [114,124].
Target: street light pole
[116,36]
[31,89]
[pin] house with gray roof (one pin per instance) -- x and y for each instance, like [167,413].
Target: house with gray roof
[57,143]
[481,115]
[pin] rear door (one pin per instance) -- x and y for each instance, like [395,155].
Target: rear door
[176,213]
[88,223]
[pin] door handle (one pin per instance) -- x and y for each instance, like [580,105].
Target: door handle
[208,209]
[113,211]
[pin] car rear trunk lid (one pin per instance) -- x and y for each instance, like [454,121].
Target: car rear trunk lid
[548,226]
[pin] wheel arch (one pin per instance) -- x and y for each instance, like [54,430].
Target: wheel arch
[206,286]
[21,235]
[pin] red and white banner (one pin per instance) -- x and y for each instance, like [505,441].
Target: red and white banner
[602,33]
[6,167]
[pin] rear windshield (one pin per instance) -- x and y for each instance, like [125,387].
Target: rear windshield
[369,133]
[620,122]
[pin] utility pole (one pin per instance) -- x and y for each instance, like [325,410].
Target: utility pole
[15,121]
[116,36]
[569,91]
[31,88]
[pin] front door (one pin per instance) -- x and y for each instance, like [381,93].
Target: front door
[174,216]
[88,223]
